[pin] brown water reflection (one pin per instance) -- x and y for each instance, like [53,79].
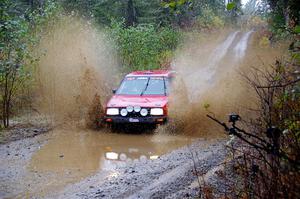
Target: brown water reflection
[72,155]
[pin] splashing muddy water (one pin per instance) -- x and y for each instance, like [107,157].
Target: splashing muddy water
[77,63]
[211,68]
[202,74]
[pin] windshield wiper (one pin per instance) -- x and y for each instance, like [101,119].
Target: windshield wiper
[142,93]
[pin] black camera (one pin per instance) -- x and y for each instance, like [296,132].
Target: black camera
[233,117]
[273,132]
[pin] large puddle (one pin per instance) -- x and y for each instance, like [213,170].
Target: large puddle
[73,155]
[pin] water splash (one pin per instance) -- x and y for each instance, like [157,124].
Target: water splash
[202,79]
[78,67]
[201,74]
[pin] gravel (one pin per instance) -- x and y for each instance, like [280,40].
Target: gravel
[15,157]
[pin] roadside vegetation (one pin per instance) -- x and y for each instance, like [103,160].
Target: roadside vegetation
[264,149]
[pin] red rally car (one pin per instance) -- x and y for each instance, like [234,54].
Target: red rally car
[142,97]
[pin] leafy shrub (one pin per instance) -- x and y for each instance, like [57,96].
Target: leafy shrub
[209,20]
[143,47]
[18,37]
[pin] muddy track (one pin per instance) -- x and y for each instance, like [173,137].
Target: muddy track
[25,172]
[14,157]
[170,176]
[22,132]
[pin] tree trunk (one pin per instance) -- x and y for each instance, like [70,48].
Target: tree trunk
[5,107]
[4,98]
[4,114]
[9,84]
[131,14]
[7,113]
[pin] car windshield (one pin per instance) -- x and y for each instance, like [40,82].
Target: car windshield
[143,86]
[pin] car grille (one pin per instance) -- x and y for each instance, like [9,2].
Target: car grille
[135,114]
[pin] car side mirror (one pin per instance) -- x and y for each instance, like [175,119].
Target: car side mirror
[114,91]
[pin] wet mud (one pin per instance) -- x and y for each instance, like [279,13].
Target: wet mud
[69,156]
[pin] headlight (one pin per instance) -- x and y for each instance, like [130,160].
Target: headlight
[124,112]
[111,155]
[112,111]
[144,112]
[137,109]
[129,109]
[156,111]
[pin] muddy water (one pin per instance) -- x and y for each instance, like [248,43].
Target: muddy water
[204,71]
[73,155]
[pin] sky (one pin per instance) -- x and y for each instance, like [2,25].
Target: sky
[244,1]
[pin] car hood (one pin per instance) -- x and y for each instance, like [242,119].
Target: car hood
[143,101]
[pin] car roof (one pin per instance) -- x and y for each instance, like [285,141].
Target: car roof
[163,73]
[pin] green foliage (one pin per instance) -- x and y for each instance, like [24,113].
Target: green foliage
[284,10]
[45,16]
[14,37]
[160,12]
[105,11]
[297,29]
[142,47]
[230,6]
[175,4]
[283,16]
[18,36]
[234,11]
[209,20]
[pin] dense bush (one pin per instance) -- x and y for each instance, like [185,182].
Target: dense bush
[20,30]
[145,46]
[14,50]
[209,20]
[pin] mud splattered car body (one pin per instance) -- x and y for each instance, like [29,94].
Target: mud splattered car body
[142,97]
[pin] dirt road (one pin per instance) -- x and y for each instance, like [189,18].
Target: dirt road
[170,176]
[88,164]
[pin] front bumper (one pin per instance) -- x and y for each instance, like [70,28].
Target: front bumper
[136,120]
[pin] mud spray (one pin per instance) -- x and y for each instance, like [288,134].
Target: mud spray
[80,66]
[211,68]
[76,71]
